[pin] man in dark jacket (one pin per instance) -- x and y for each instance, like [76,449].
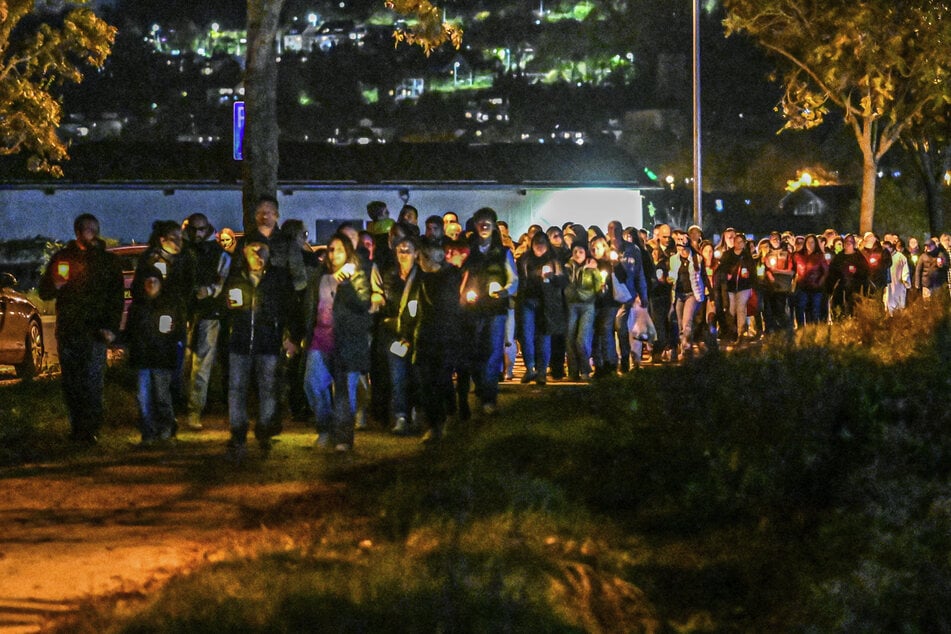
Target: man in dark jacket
[86,282]
[259,304]
[212,265]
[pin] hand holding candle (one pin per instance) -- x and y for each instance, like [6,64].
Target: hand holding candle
[471,297]
[494,288]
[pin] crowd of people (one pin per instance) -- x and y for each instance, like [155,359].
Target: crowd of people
[398,324]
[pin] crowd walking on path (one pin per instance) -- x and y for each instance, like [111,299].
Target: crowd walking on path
[406,327]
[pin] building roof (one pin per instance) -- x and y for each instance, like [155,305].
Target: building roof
[526,164]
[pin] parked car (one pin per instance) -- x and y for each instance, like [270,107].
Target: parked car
[21,330]
[128,258]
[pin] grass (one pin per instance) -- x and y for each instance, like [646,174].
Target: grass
[801,486]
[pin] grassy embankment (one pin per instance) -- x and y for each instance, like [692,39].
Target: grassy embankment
[800,486]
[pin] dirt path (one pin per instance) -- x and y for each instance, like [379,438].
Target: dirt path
[118,519]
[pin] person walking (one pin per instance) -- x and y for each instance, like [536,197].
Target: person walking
[86,282]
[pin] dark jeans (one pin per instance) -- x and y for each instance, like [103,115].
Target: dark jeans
[809,307]
[82,363]
[489,340]
[247,371]
[156,413]
[660,312]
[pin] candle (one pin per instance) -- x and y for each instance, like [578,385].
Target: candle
[163,269]
[412,306]
[471,296]
[494,288]
[717,254]
[614,256]
[660,274]
[828,257]
[546,270]
[744,272]
[349,269]
[604,277]
[772,262]
[399,349]
[62,269]
[165,324]
[235,298]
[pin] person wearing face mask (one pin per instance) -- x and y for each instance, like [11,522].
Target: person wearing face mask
[155,328]
[167,254]
[86,282]
[212,265]
[259,303]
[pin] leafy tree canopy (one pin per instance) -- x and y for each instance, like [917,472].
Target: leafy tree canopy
[35,60]
[884,65]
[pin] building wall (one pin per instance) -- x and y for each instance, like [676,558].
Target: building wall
[127,214]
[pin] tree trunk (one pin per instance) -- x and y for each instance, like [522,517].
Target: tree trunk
[261,156]
[863,134]
[933,200]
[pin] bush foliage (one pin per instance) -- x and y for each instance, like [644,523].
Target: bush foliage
[799,485]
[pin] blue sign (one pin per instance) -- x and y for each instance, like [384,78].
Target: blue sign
[238,129]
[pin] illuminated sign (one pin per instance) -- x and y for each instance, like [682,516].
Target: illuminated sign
[238,129]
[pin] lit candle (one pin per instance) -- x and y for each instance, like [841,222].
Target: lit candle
[828,257]
[412,306]
[717,254]
[614,256]
[62,269]
[349,269]
[494,288]
[546,270]
[851,269]
[604,277]
[873,260]
[660,274]
[165,324]
[471,296]
[744,272]
[772,262]
[163,269]
[399,349]
[235,298]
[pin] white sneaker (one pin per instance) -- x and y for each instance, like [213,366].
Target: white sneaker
[342,448]
[401,427]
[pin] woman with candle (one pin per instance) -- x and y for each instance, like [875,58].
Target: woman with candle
[604,349]
[489,280]
[583,285]
[779,276]
[848,277]
[540,306]
[811,268]
[337,342]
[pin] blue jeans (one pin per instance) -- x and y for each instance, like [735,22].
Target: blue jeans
[157,416]
[264,368]
[334,415]
[82,363]
[489,341]
[809,307]
[536,347]
[580,334]
[204,345]
[400,384]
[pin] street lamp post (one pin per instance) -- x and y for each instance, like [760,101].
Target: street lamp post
[697,162]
